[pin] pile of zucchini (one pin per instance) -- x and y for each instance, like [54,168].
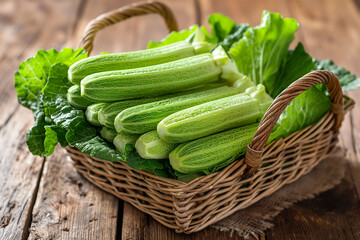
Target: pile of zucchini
[180,102]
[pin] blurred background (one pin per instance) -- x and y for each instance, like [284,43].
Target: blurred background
[328,29]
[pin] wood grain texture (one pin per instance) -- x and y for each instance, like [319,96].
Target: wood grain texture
[19,175]
[23,33]
[70,207]
[334,214]
[20,171]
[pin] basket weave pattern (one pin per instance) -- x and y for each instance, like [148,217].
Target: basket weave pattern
[190,207]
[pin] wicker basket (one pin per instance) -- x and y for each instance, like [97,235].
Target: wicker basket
[191,207]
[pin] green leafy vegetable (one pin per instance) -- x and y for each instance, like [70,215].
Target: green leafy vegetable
[55,119]
[187,177]
[235,35]
[306,109]
[35,137]
[221,26]
[60,111]
[97,147]
[260,52]
[174,37]
[296,64]
[158,167]
[225,31]
[32,74]
[347,80]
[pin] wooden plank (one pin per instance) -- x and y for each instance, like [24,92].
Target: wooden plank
[334,214]
[22,32]
[19,172]
[350,131]
[70,207]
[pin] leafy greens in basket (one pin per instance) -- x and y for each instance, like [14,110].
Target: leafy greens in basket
[260,53]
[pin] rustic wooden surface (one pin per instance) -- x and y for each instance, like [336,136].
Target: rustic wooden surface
[45,198]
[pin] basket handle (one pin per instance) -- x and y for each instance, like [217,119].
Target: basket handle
[123,13]
[253,157]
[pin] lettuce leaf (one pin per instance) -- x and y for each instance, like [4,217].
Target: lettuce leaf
[30,80]
[60,111]
[174,37]
[35,136]
[261,51]
[225,31]
[42,85]
[221,26]
[235,35]
[305,110]
[296,64]
[33,73]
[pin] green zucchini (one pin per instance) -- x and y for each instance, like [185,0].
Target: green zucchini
[215,116]
[76,100]
[108,134]
[150,146]
[92,113]
[144,118]
[129,60]
[123,138]
[107,114]
[212,151]
[151,81]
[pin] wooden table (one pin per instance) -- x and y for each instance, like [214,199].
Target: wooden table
[45,198]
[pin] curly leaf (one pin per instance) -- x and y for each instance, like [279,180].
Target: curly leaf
[33,73]
[260,52]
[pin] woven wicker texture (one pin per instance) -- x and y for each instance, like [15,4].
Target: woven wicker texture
[122,14]
[190,207]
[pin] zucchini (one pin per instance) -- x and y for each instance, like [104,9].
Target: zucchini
[108,113]
[76,100]
[92,113]
[123,138]
[151,81]
[144,118]
[212,151]
[129,60]
[150,146]
[108,134]
[215,116]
